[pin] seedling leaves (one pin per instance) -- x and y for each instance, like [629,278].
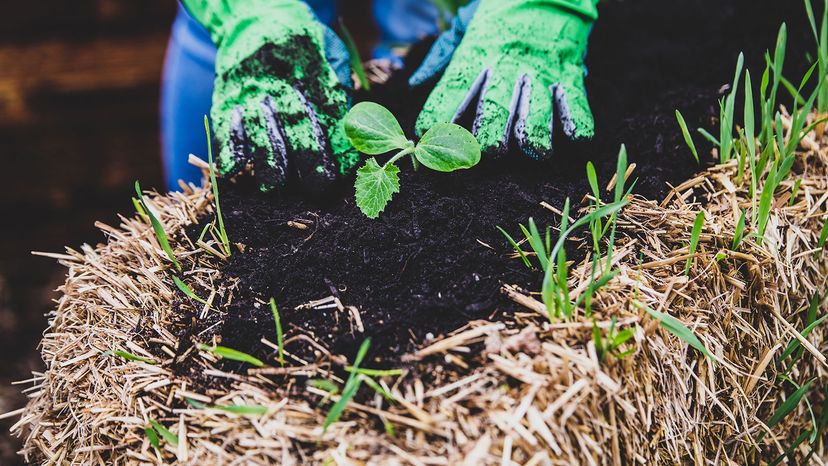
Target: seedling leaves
[375,185]
[677,328]
[373,130]
[168,436]
[350,389]
[229,353]
[447,147]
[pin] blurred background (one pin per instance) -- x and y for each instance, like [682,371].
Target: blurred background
[79,123]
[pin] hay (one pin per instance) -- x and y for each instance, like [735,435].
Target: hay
[666,404]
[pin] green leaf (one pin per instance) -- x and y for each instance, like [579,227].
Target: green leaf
[131,357]
[222,232]
[688,139]
[252,410]
[592,177]
[375,185]
[158,228]
[187,290]
[789,404]
[694,239]
[229,353]
[153,437]
[375,372]
[350,389]
[677,328]
[373,130]
[325,385]
[516,247]
[280,337]
[168,436]
[447,147]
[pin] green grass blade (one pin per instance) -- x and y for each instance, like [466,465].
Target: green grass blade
[153,437]
[353,52]
[280,337]
[537,243]
[350,389]
[514,245]
[168,436]
[677,328]
[375,372]
[378,388]
[158,228]
[712,139]
[131,357]
[187,290]
[222,232]
[688,139]
[789,404]
[325,385]
[823,235]
[233,355]
[739,234]
[249,410]
[592,177]
[694,240]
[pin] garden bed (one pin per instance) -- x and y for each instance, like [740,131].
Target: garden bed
[485,374]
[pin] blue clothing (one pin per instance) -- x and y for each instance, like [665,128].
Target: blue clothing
[189,73]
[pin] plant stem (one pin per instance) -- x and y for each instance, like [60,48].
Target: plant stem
[400,154]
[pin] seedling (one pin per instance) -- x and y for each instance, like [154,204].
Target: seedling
[350,389]
[187,290]
[220,232]
[688,139]
[677,328]
[373,130]
[787,406]
[128,356]
[280,337]
[821,38]
[229,353]
[158,228]
[823,235]
[794,349]
[694,240]
[739,234]
[611,345]
[155,429]
[353,53]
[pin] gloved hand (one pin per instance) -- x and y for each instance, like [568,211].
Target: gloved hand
[281,91]
[521,64]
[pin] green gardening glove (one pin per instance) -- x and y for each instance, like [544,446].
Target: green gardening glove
[520,64]
[278,103]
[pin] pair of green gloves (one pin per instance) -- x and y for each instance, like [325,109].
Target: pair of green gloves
[283,82]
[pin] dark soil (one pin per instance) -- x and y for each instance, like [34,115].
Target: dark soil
[433,260]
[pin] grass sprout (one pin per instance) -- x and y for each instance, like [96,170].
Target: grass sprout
[233,355]
[280,337]
[349,390]
[739,234]
[129,356]
[220,232]
[158,228]
[688,139]
[613,342]
[353,53]
[165,433]
[698,224]
[187,290]
[677,328]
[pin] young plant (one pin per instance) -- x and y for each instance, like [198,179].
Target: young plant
[739,234]
[280,337]
[128,356]
[353,53]
[373,130]
[230,353]
[611,345]
[677,328]
[350,389]
[158,228]
[694,240]
[187,290]
[821,38]
[220,232]
[688,139]
[155,429]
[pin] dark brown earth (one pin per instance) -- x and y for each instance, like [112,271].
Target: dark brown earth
[434,260]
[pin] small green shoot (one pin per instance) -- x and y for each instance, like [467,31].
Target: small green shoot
[325,385]
[698,224]
[158,228]
[129,356]
[245,410]
[373,130]
[221,232]
[349,390]
[688,139]
[823,236]
[787,406]
[739,234]
[356,59]
[187,290]
[794,192]
[233,355]
[613,342]
[168,436]
[280,337]
[677,328]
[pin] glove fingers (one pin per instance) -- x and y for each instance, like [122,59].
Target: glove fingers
[314,163]
[232,138]
[262,145]
[572,107]
[499,102]
[450,100]
[535,124]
